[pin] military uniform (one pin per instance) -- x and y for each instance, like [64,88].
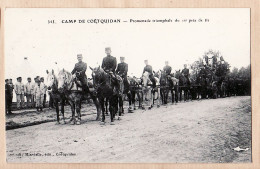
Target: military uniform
[149,69]
[109,64]
[167,69]
[8,99]
[122,69]
[186,74]
[80,70]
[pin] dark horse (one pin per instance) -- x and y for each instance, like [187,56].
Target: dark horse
[164,86]
[135,88]
[106,87]
[183,85]
[64,88]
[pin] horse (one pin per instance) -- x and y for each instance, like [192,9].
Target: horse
[52,87]
[105,86]
[164,87]
[150,94]
[174,89]
[70,88]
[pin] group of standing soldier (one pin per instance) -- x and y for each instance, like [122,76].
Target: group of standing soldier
[34,92]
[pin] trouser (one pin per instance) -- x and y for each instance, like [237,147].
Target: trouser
[152,80]
[29,100]
[84,81]
[39,100]
[8,104]
[20,100]
[44,100]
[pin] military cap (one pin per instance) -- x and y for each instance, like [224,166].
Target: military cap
[28,78]
[6,80]
[107,48]
[122,57]
[79,55]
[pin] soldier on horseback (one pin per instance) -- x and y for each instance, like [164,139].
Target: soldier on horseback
[186,73]
[122,69]
[149,69]
[79,72]
[109,64]
[167,69]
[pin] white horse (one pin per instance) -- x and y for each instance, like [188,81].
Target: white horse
[150,94]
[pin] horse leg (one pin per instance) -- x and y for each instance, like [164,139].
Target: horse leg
[112,105]
[62,109]
[121,109]
[106,104]
[57,111]
[97,104]
[73,120]
[78,106]
[102,103]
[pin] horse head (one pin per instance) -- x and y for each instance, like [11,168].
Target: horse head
[97,75]
[51,80]
[146,79]
[64,80]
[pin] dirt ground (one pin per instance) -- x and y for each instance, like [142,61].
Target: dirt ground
[196,131]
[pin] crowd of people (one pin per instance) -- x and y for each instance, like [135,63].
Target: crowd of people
[33,92]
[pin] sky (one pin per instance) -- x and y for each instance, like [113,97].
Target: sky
[28,34]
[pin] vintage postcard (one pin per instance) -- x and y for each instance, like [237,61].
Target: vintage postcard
[132,85]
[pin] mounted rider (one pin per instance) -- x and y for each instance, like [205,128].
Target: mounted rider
[148,68]
[167,69]
[109,64]
[79,72]
[122,69]
[186,73]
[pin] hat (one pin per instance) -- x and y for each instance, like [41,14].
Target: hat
[146,60]
[6,80]
[79,55]
[122,57]
[42,78]
[18,78]
[28,78]
[107,48]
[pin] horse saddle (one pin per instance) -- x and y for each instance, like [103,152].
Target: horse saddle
[77,85]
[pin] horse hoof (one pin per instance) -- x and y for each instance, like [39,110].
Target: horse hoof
[158,106]
[102,123]
[149,108]
[57,123]
[78,123]
[63,122]
[119,118]
[112,123]
[72,122]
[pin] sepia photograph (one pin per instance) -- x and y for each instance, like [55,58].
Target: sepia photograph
[127,85]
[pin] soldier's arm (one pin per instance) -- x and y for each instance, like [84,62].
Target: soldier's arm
[115,63]
[170,70]
[74,70]
[117,69]
[103,64]
[126,69]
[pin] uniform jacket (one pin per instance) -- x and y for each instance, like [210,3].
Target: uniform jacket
[149,69]
[80,67]
[167,69]
[29,87]
[19,88]
[185,71]
[109,63]
[8,91]
[39,90]
[122,69]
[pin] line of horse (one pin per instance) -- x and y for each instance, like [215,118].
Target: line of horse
[108,94]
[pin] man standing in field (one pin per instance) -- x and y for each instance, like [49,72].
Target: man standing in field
[19,90]
[148,68]
[29,87]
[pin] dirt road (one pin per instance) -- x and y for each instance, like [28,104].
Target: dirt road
[197,131]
